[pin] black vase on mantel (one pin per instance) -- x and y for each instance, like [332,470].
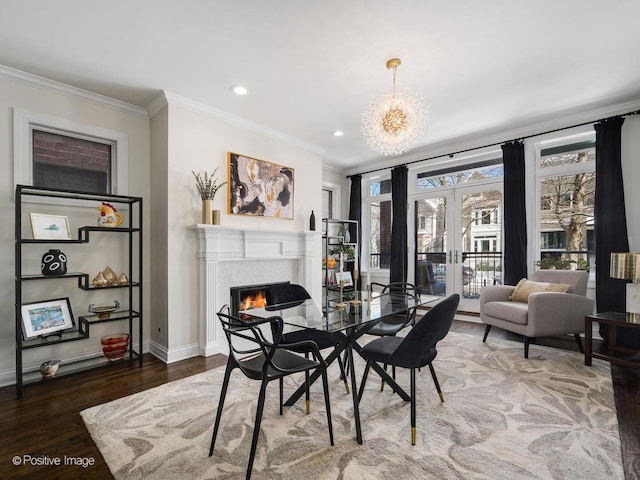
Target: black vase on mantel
[312,221]
[54,262]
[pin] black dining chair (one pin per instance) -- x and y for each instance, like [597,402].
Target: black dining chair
[416,350]
[391,325]
[262,359]
[289,295]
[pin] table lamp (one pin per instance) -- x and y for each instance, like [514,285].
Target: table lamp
[626,266]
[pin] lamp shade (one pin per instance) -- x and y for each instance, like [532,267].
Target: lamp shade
[625,266]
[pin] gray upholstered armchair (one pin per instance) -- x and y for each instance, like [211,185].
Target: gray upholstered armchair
[539,313]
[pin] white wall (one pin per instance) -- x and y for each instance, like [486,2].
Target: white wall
[631,173]
[199,141]
[39,96]
[337,180]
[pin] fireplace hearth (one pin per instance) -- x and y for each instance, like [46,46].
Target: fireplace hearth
[246,297]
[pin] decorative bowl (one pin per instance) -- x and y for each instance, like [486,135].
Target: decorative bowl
[104,311]
[115,346]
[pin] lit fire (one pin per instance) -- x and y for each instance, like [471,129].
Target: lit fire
[256,300]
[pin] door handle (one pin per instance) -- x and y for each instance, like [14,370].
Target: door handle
[450,256]
[456,256]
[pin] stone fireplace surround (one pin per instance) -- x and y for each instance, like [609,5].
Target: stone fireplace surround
[231,256]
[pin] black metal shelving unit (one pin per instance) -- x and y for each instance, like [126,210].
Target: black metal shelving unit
[331,238]
[133,231]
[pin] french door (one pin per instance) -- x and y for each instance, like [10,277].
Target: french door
[458,240]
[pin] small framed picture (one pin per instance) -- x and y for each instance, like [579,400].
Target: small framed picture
[50,227]
[346,279]
[46,317]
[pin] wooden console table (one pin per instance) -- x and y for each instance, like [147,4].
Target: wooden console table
[613,320]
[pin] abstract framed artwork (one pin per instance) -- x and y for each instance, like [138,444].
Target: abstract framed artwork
[259,188]
[48,317]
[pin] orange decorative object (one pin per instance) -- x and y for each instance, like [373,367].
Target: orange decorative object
[331,262]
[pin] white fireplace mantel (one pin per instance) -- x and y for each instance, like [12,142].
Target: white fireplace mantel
[229,256]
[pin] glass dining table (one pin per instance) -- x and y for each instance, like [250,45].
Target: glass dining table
[353,317]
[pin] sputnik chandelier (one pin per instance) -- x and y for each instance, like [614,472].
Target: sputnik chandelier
[394,120]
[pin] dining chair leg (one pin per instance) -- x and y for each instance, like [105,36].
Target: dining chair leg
[327,402]
[281,388]
[256,427]
[413,406]
[364,379]
[307,398]
[435,381]
[382,380]
[223,394]
[343,374]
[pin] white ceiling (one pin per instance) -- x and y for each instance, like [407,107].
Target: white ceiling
[312,66]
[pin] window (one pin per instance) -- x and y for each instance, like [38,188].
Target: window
[566,185]
[34,164]
[379,217]
[327,203]
[455,175]
[61,161]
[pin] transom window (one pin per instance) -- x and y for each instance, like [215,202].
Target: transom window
[62,161]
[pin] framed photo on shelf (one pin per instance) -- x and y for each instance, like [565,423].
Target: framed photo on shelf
[259,188]
[50,227]
[46,317]
[346,279]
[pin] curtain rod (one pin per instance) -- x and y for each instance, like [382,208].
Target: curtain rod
[636,112]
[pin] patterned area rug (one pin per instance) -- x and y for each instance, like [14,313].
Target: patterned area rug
[504,417]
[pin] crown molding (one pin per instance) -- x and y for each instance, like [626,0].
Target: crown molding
[42,83]
[172,99]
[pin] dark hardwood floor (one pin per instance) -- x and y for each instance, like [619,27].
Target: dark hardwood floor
[46,424]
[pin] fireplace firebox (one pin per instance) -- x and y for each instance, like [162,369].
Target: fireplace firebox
[246,297]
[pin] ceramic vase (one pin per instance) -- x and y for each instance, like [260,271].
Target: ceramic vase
[216,217]
[344,233]
[207,211]
[54,262]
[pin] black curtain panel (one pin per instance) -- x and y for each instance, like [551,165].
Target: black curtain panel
[355,213]
[399,246]
[610,224]
[515,219]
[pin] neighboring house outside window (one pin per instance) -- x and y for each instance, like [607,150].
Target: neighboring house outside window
[378,209]
[565,182]
[62,161]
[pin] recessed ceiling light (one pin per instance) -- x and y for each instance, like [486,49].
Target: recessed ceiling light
[338,133]
[239,90]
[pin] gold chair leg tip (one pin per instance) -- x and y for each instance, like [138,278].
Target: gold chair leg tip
[413,435]
[346,387]
[441,397]
[308,406]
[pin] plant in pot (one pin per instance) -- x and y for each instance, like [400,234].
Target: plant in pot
[208,186]
[550,263]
